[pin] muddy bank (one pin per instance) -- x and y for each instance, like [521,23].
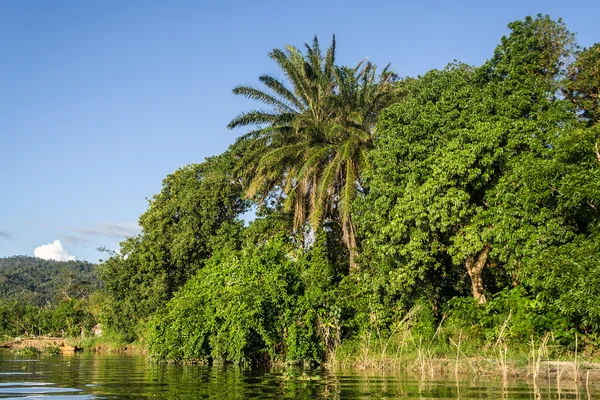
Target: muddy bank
[72,345]
[42,344]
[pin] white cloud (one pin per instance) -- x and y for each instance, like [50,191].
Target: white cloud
[112,229]
[53,251]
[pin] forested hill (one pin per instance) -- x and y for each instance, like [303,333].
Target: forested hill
[37,281]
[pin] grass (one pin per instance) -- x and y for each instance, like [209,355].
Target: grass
[463,352]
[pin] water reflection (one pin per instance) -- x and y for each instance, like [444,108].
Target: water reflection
[87,376]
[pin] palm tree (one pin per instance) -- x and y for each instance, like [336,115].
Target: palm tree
[310,145]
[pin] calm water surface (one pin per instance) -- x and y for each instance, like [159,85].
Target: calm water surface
[90,376]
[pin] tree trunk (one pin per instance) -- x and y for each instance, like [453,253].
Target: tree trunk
[350,240]
[475,270]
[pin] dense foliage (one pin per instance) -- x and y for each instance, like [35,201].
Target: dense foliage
[35,281]
[487,167]
[391,212]
[194,214]
[47,297]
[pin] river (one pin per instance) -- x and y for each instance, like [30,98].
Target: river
[108,376]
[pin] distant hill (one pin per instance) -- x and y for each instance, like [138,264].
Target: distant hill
[36,281]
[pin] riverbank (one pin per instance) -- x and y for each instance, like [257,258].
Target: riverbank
[125,377]
[43,344]
[554,370]
[419,356]
[419,360]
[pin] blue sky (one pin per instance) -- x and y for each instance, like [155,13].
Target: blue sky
[99,101]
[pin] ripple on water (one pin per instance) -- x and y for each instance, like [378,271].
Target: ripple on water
[53,397]
[15,373]
[37,388]
[24,384]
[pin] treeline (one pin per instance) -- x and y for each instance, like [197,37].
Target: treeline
[46,297]
[38,282]
[458,204]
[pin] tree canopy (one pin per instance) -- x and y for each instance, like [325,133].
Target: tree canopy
[194,214]
[465,200]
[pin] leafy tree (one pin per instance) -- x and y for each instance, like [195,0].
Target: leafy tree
[268,301]
[583,84]
[194,214]
[458,180]
[568,274]
[233,310]
[310,145]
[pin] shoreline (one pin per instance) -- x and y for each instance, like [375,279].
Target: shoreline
[580,371]
[72,345]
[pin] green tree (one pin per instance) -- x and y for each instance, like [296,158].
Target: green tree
[583,83]
[194,214]
[310,146]
[568,274]
[459,179]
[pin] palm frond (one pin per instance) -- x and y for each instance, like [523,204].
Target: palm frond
[277,87]
[258,95]
[311,146]
[259,117]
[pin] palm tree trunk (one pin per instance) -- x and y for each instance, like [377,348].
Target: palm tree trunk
[350,241]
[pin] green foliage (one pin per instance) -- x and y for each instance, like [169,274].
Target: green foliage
[38,282]
[512,316]
[568,276]
[51,351]
[234,309]
[40,297]
[583,84]
[267,302]
[311,144]
[67,318]
[34,351]
[29,351]
[462,167]
[194,214]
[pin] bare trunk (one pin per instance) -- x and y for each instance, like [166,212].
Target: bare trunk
[475,270]
[353,264]
[350,240]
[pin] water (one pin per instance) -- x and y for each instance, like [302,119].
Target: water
[90,376]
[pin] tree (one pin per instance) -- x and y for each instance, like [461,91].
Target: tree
[194,214]
[459,179]
[310,147]
[583,83]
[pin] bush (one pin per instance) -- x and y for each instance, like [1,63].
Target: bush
[242,307]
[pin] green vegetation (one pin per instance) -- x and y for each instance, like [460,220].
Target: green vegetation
[41,297]
[194,214]
[469,215]
[39,282]
[451,216]
[312,143]
[34,351]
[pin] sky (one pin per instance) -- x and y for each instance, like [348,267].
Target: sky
[101,100]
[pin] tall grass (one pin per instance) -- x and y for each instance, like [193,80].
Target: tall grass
[460,351]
